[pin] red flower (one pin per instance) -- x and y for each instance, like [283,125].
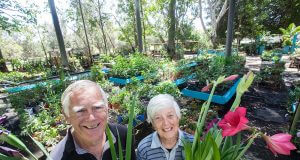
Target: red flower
[234,122]
[280,143]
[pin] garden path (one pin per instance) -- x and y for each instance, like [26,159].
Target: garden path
[267,110]
[290,75]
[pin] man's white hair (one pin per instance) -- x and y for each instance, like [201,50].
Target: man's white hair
[78,85]
[159,102]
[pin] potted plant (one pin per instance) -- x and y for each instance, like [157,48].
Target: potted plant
[136,65]
[287,35]
[208,70]
[218,143]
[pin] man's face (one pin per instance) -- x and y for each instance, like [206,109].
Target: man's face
[88,114]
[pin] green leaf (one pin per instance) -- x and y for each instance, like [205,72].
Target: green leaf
[207,145]
[226,144]
[16,142]
[249,81]
[5,157]
[227,153]
[238,145]
[246,147]
[291,26]
[129,131]
[283,30]
[41,147]
[13,140]
[120,147]
[187,149]
[220,79]
[111,144]
[216,151]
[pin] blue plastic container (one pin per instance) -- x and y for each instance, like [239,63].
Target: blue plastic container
[139,117]
[286,49]
[260,49]
[105,70]
[31,86]
[121,81]
[220,99]
[184,79]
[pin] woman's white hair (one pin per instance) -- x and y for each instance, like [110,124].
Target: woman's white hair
[159,102]
[78,85]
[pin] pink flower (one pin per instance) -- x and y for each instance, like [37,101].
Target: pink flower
[206,88]
[231,78]
[234,122]
[280,143]
[211,124]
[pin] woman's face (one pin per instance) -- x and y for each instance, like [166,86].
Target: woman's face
[166,123]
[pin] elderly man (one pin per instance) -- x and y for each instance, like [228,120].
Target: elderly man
[85,107]
[166,142]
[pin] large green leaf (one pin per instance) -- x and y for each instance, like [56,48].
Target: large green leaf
[5,157]
[16,142]
[216,151]
[129,131]
[241,153]
[120,147]
[111,144]
[42,148]
[291,27]
[187,149]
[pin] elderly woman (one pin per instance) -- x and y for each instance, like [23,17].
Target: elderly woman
[166,142]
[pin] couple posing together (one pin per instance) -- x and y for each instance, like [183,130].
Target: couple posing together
[85,107]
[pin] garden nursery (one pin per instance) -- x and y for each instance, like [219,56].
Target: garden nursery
[145,80]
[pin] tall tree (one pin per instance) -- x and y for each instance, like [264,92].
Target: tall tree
[3,67]
[172,30]
[229,36]
[201,18]
[85,33]
[139,25]
[59,36]
[127,22]
[144,28]
[13,22]
[102,27]
[42,43]
[216,11]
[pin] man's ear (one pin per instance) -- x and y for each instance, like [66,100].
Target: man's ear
[65,116]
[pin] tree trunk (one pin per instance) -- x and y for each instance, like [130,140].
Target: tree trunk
[139,25]
[144,28]
[216,20]
[229,36]
[43,46]
[3,67]
[126,36]
[102,27]
[111,42]
[172,29]
[85,32]
[201,19]
[59,35]
[134,25]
